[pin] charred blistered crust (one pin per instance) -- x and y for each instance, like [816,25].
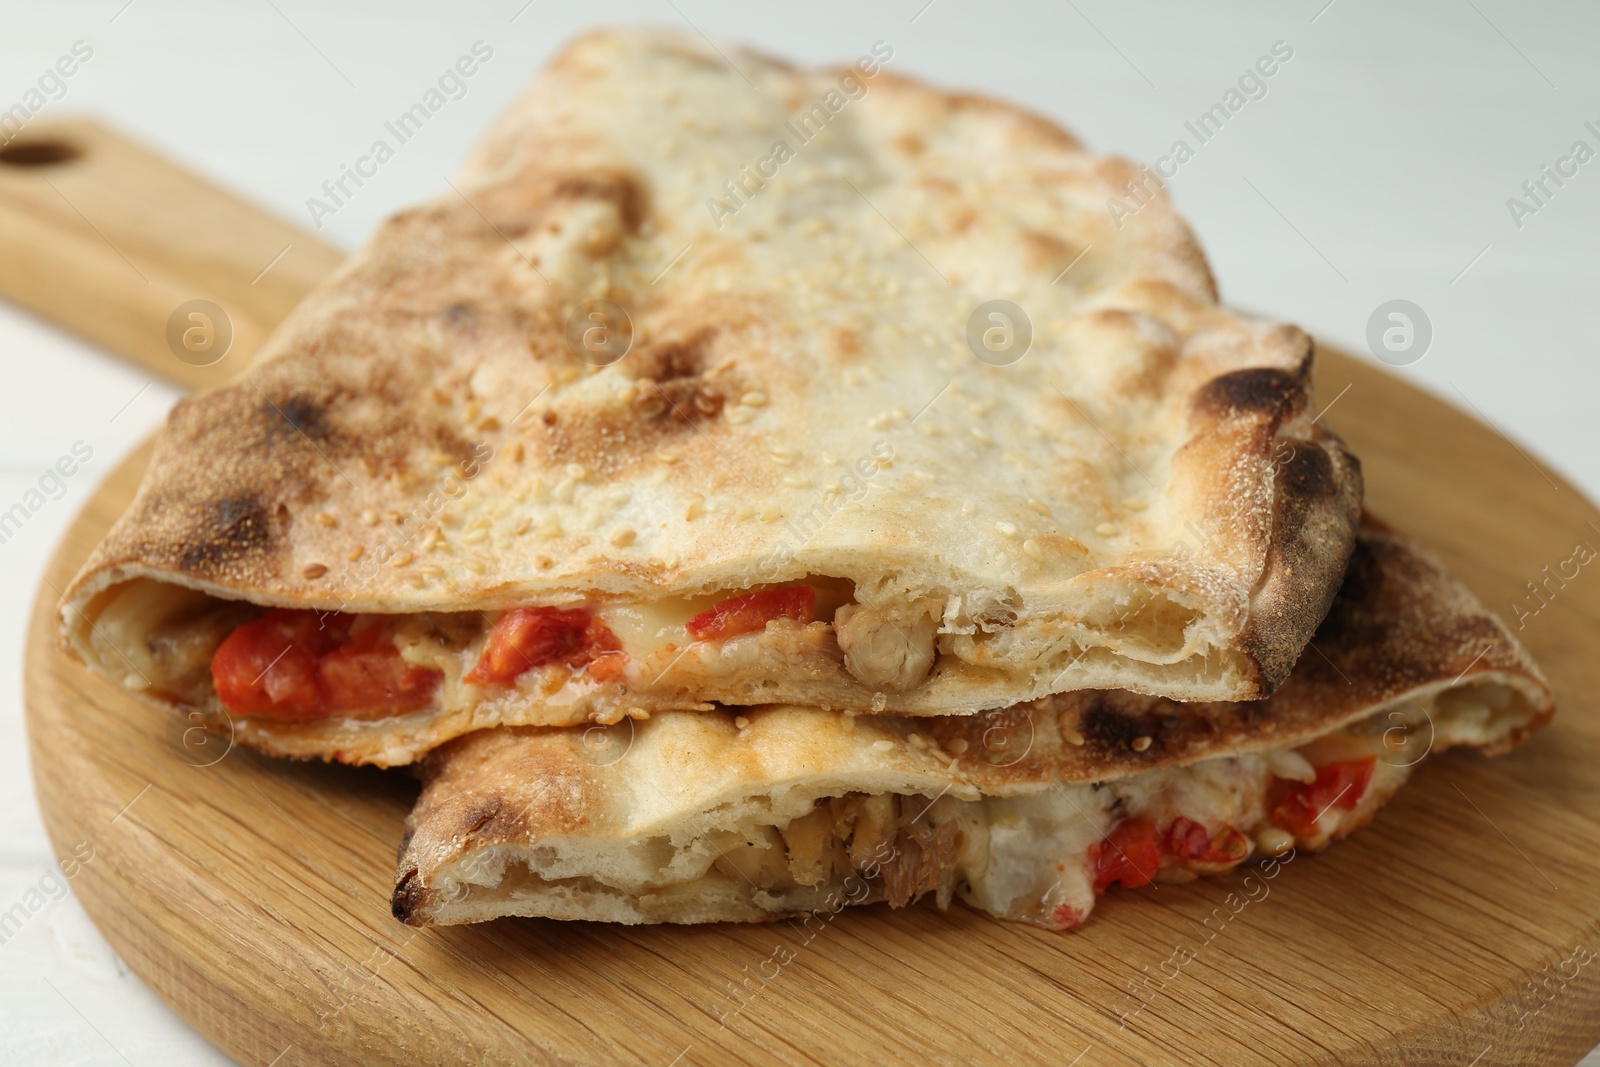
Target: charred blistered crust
[1264,392]
[488,789]
[421,434]
[1312,494]
[1315,513]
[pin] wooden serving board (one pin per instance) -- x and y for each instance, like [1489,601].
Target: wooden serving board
[251,894]
[109,239]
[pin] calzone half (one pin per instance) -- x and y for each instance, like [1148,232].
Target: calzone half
[1028,813]
[727,382]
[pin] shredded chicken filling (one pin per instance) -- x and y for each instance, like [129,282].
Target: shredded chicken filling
[914,849]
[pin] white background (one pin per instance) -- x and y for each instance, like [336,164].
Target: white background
[1377,166]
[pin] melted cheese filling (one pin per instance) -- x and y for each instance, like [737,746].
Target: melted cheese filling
[1029,858]
[160,638]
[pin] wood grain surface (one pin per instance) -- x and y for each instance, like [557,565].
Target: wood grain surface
[1460,928]
[109,240]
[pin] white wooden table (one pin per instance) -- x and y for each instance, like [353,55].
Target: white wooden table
[1374,164]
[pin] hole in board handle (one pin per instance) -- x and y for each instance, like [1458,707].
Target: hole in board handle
[39,154]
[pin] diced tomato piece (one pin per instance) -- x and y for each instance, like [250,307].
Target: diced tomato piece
[1130,855]
[608,667]
[598,641]
[752,611]
[376,676]
[524,638]
[306,664]
[1190,840]
[1294,806]
[270,666]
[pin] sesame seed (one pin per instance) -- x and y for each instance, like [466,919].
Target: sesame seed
[796,482]
[979,436]
[326,520]
[1031,547]
[1072,737]
[522,525]
[354,553]
[1140,744]
[696,508]
[738,414]
[623,536]
[958,746]
[549,527]
[1039,506]
[1009,529]
[754,399]
[369,517]
[315,570]
[473,565]
[882,746]
[403,559]
[740,721]
[576,472]
[770,514]
[474,537]
[1106,529]
[745,512]
[666,455]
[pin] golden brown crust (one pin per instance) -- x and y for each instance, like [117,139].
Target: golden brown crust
[419,435]
[1402,632]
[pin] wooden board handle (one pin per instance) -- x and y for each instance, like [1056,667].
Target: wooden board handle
[113,242]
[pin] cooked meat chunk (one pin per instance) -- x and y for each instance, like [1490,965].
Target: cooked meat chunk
[899,844]
[885,652]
